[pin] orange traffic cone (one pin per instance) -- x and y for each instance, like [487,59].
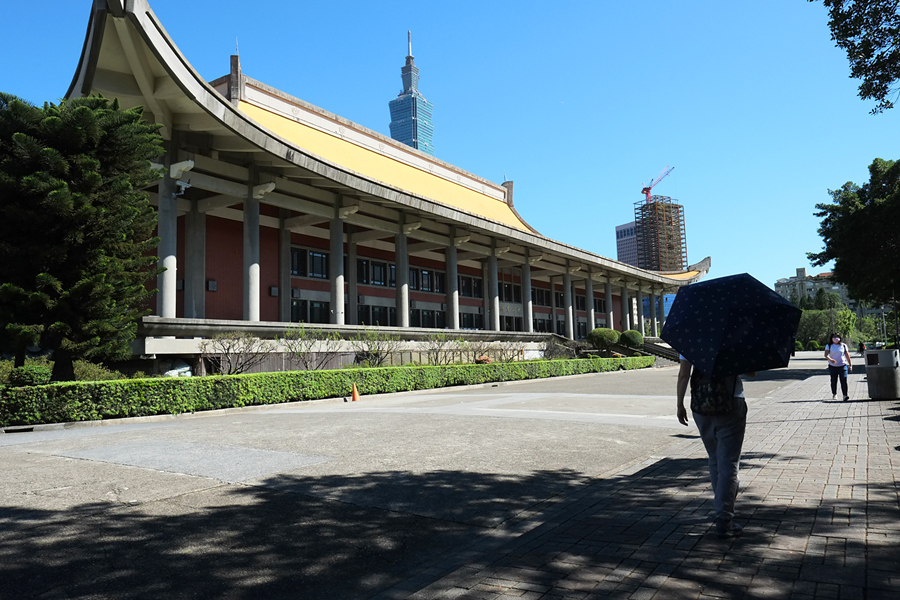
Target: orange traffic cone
[355,393]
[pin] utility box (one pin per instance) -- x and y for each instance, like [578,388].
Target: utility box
[883,374]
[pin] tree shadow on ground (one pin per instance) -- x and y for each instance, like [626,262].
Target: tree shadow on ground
[336,537]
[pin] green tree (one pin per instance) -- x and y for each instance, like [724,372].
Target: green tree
[814,325]
[793,298]
[861,234]
[76,231]
[869,32]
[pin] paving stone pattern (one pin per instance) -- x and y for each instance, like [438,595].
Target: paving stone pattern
[819,503]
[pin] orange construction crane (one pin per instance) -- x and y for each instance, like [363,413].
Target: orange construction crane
[646,190]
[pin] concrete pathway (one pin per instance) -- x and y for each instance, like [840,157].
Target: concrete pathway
[578,487]
[819,504]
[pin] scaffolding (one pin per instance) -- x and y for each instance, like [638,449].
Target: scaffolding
[659,227]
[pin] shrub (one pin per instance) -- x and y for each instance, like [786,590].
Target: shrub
[798,345]
[374,348]
[632,339]
[88,371]
[83,401]
[30,375]
[234,352]
[602,338]
[813,345]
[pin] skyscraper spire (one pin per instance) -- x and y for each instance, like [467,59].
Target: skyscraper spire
[410,111]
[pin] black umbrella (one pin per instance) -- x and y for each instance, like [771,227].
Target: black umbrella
[732,325]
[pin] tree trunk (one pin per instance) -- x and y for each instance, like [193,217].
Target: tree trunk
[63,368]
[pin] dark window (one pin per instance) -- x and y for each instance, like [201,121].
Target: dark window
[477,288]
[392,276]
[506,292]
[363,315]
[299,311]
[428,318]
[415,318]
[298,262]
[600,305]
[413,279]
[380,315]
[318,267]
[440,319]
[379,273]
[479,321]
[392,316]
[465,287]
[362,271]
[439,286]
[517,294]
[319,312]
[559,300]
[561,327]
[426,283]
[467,320]
[579,302]
[582,330]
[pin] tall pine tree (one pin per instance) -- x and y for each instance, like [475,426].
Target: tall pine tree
[76,229]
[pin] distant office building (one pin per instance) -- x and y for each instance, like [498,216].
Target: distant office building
[626,244]
[410,112]
[659,229]
[803,285]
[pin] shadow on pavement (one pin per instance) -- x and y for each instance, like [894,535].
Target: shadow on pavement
[353,537]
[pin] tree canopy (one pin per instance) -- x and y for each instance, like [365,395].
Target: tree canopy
[869,31]
[860,231]
[76,231]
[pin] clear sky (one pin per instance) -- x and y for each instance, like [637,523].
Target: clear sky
[580,103]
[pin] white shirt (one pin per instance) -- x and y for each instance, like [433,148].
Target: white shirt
[837,352]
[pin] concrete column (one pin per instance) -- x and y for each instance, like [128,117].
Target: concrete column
[610,314]
[284,267]
[626,309]
[195,257]
[336,270]
[567,305]
[552,306]
[452,283]
[401,258]
[589,300]
[251,256]
[167,229]
[662,311]
[640,309]
[654,330]
[494,293]
[527,305]
[352,286]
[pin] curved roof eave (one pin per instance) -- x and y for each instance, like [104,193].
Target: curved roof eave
[202,94]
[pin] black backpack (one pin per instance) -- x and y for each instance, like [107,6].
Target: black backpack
[712,396]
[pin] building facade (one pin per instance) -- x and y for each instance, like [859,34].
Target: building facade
[803,285]
[661,239]
[411,113]
[626,244]
[274,211]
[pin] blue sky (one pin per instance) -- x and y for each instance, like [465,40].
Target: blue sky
[580,103]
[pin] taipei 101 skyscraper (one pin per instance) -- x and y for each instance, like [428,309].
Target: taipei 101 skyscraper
[410,112]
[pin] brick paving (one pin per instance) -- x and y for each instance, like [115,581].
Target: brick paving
[820,502]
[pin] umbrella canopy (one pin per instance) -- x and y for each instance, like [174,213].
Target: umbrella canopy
[732,325]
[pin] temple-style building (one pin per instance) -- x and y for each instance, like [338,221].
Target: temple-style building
[410,111]
[272,210]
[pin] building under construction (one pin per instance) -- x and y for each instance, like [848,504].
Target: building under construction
[659,227]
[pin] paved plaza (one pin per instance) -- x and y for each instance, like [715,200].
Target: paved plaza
[580,487]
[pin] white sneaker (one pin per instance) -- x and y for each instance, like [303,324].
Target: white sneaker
[834,396]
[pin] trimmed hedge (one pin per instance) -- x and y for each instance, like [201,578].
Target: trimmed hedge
[89,401]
